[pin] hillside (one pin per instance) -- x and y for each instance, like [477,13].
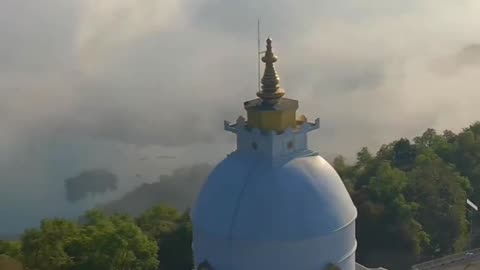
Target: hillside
[178,190]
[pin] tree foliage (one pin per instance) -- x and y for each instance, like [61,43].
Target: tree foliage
[12,249]
[411,196]
[100,243]
[172,231]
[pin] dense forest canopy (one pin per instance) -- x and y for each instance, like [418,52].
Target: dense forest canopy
[410,195]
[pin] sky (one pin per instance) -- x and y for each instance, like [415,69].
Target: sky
[103,83]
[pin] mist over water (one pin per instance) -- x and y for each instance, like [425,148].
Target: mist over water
[104,83]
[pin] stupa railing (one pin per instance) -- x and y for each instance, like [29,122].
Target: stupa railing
[242,124]
[448,260]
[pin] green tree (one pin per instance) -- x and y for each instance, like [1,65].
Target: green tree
[345,172]
[113,243]
[466,157]
[361,173]
[404,154]
[440,192]
[385,152]
[439,144]
[340,166]
[363,157]
[172,231]
[12,249]
[44,249]
[449,135]
[388,183]
[386,220]
[100,243]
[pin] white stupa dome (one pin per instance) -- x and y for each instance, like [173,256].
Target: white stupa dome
[250,215]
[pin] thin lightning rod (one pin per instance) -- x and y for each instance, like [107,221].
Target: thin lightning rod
[258,53]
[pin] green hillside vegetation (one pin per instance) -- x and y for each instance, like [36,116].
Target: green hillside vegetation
[159,239]
[178,190]
[410,196]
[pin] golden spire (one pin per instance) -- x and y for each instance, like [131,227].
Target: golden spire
[271,90]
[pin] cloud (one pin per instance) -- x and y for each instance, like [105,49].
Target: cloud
[108,25]
[89,84]
[89,183]
[36,35]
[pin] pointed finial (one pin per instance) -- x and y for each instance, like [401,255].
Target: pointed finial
[271,90]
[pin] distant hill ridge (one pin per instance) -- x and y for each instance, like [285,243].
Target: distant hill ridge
[178,190]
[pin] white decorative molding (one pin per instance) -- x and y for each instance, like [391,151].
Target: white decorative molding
[272,144]
[241,121]
[241,124]
[228,127]
[288,132]
[305,127]
[256,132]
